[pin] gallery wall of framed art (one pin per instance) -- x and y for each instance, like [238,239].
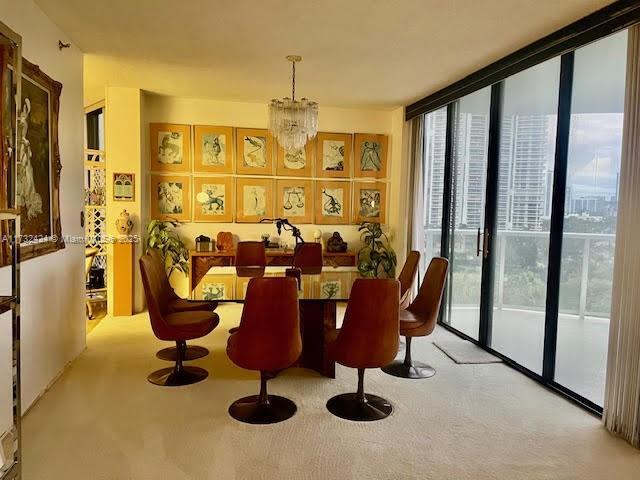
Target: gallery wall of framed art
[222,174]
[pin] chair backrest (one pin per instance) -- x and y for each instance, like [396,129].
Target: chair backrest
[370,330]
[268,337]
[308,258]
[408,275]
[161,272]
[427,304]
[89,254]
[153,292]
[251,258]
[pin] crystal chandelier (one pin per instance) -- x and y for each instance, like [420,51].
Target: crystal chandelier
[293,122]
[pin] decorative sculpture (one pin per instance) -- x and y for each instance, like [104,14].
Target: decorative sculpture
[336,244]
[124,224]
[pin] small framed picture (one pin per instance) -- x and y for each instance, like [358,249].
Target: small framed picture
[371,155]
[171,197]
[254,199]
[216,287]
[124,187]
[332,202]
[213,199]
[333,155]
[213,149]
[294,200]
[170,148]
[254,151]
[297,163]
[370,204]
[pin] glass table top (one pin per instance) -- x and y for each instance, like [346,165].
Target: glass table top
[224,284]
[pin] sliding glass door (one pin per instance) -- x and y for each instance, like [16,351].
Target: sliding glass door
[521,186]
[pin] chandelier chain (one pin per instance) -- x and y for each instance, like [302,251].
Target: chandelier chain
[293,82]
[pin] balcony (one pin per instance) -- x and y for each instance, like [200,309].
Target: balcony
[520,296]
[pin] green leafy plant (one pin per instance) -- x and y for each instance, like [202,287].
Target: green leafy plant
[376,259]
[163,236]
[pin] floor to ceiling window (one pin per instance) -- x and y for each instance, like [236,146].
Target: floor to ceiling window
[591,203]
[499,147]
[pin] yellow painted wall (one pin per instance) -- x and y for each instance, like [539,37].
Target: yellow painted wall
[130,111]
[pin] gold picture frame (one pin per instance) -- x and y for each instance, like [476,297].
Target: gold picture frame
[254,199]
[213,149]
[294,200]
[219,207]
[371,154]
[254,151]
[216,287]
[170,147]
[296,165]
[333,155]
[171,197]
[332,202]
[124,187]
[370,202]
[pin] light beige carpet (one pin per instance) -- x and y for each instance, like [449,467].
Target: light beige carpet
[103,420]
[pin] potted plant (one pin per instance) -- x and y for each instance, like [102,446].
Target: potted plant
[376,259]
[163,236]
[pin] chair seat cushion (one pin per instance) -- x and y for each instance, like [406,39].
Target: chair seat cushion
[189,325]
[411,323]
[184,305]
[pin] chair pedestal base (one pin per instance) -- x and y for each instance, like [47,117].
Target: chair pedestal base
[349,407]
[251,410]
[193,352]
[170,377]
[415,370]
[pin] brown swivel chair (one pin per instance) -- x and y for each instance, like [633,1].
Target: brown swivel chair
[251,258]
[419,320]
[408,277]
[268,340]
[177,304]
[173,326]
[368,339]
[308,258]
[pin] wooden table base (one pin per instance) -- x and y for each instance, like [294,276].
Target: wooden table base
[317,321]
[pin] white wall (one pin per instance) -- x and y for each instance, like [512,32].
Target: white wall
[254,115]
[52,286]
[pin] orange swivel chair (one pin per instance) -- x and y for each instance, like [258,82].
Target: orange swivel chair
[368,339]
[177,304]
[419,320]
[408,276]
[173,326]
[251,258]
[268,340]
[308,258]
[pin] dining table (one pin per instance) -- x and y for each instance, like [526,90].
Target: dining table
[318,295]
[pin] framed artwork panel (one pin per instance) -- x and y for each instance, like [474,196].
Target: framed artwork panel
[294,200]
[213,199]
[332,285]
[254,151]
[254,199]
[171,197]
[216,287]
[333,155]
[370,202]
[371,152]
[170,147]
[332,202]
[213,149]
[298,163]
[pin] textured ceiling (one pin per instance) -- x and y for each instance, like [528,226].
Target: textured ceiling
[375,53]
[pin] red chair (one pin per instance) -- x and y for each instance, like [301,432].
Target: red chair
[407,277]
[268,340]
[173,326]
[368,339]
[177,304]
[251,259]
[308,258]
[419,320]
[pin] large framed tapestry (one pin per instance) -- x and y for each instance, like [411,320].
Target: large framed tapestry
[39,164]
